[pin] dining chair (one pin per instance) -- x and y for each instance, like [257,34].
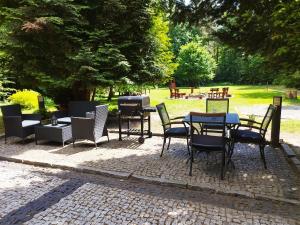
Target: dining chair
[204,142]
[255,132]
[169,131]
[215,105]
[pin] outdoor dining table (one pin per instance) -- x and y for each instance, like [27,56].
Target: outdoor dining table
[232,119]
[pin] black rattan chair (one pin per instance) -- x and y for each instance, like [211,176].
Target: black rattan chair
[255,132]
[17,124]
[204,142]
[169,131]
[91,128]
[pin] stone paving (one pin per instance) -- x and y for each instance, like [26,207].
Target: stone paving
[93,199]
[133,160]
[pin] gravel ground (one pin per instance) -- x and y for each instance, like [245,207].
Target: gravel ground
[64,197]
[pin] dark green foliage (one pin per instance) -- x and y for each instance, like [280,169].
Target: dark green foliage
[237,67]
[266,27]
[182,34]
[196,65]
[64,48]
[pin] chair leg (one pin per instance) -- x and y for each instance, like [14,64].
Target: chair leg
[169,143]
[108,138]
[73,142]
[5,139]
[223,165]
[163,147]
[188,147]
[191,162]
[262,154]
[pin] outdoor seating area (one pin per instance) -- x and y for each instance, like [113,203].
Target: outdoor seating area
[85,120]
[149,112]
[215,130]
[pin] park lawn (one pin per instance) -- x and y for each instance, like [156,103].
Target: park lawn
[248,96]
[242,96]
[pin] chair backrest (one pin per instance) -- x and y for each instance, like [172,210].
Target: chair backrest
[11,110]
[267,120]
[80,108]
[164,116]
[101,114]
[203,119]
[214,105]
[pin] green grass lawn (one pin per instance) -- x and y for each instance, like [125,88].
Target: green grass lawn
[242,96]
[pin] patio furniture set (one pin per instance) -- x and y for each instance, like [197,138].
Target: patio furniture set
[84,120]
[216,130]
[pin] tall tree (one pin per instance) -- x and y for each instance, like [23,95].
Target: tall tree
[64,48]
[196,65]
[164,57]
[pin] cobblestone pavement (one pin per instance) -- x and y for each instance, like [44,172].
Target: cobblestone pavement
[75,198]
[132,159]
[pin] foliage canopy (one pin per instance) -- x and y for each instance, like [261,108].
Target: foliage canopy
[65,48]
[196,65]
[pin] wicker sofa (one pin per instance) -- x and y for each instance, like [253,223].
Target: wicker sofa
[75,109]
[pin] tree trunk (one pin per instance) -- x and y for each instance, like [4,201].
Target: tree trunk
[94,94]
[110,94]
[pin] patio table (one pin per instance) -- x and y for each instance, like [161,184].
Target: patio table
[58,133]
[232,119]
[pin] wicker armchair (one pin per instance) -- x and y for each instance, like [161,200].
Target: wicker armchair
[17,124]
[91,128]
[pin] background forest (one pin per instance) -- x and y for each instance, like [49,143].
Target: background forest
[67,49]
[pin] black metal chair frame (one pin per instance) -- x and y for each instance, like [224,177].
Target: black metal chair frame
[207,147]
[261,128]
[168,124]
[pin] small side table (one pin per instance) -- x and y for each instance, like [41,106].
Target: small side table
[58,133]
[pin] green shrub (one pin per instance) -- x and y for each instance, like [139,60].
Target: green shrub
[28,99]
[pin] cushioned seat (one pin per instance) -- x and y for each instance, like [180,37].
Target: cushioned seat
[208,142]
[247,136]
[64,120]
[177,131]
[29,123]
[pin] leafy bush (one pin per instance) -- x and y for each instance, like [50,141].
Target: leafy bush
[28,99]
[196,65]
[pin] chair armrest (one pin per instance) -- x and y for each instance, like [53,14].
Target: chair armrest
[82,127]
[248,126]
[177,118]
[31,117]
[60,114]
[82,121]
[249,121]
[12,121]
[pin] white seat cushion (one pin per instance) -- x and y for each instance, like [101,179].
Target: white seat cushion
[64,120]
[28,123]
